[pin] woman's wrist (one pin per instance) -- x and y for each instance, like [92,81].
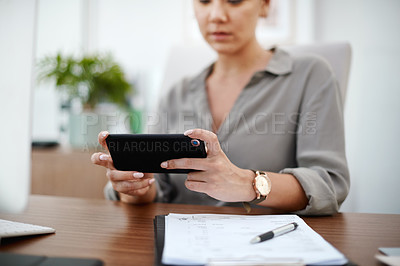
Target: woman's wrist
[249,176]
[148,197]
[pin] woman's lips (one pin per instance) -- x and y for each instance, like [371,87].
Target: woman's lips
[220,35]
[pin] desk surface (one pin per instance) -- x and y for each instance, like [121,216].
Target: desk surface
[121,234]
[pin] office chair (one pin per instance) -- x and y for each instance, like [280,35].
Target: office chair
[189,60]
[337,54]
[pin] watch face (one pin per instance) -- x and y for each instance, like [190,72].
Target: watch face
[263,185]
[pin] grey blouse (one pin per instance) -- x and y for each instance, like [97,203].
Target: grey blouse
[288,119]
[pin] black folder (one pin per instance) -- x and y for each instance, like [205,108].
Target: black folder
[159,238]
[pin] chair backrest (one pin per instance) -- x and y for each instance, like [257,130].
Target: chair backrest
[185,61]
[338,56]
[189,60]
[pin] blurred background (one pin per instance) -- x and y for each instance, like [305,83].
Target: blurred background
[139,35]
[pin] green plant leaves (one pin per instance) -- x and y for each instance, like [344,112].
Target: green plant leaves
[93,79]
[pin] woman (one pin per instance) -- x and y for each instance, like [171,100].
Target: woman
[256,109]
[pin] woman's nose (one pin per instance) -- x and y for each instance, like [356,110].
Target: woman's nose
[218,13]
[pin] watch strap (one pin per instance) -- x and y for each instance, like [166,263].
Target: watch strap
[259,198]
[247,206]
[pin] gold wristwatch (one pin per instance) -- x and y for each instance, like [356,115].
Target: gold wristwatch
[262,187]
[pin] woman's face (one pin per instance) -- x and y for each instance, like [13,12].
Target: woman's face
[229,25]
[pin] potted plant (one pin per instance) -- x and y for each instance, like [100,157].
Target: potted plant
[92,81]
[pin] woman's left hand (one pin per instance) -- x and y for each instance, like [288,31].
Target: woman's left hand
[218,176]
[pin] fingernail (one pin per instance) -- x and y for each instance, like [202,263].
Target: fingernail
[164,164]
[188,132]
[104,133]
[138,175]
[103,157]
[151,181]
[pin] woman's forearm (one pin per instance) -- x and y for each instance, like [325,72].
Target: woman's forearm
[286,193]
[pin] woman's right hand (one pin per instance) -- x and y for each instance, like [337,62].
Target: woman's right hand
[133,187]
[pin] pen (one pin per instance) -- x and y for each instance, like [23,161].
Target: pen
[273,233]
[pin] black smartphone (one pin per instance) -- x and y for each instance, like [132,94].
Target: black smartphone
[145,152]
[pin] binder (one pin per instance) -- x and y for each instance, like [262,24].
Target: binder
[159,238]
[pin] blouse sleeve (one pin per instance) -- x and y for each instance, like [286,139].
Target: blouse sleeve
[322,167]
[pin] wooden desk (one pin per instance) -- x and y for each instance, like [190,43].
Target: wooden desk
[121,234]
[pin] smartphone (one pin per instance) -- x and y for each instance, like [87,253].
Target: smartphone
[145,152]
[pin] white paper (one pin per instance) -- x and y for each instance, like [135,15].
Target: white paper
[196,239]
[389,260]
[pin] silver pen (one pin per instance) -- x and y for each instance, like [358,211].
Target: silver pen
[273,233]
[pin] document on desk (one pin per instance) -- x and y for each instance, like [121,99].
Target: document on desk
[197,239]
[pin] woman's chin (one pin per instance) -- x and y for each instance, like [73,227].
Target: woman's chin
[224,48]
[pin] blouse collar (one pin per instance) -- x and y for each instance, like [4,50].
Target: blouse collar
[281,63]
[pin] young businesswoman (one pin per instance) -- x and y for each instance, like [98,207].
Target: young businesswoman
[264,110]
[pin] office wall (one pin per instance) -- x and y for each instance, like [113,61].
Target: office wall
[372,109]
[59,30]
[138,33]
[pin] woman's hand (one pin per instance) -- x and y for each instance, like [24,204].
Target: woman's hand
[218,176]
[127,183]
